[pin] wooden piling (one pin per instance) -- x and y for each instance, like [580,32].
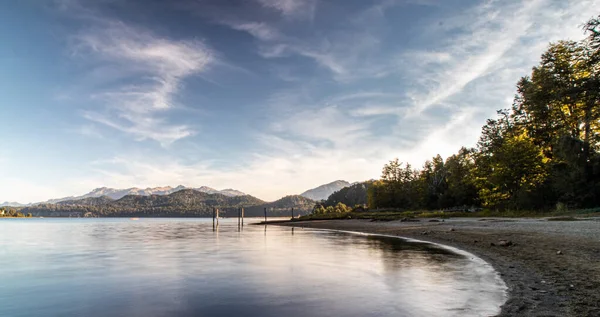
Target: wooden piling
[242,212]
[265,215]
[292,212]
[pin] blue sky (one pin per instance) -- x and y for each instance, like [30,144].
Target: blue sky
[270,97]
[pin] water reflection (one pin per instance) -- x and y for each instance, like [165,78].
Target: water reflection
[181,267]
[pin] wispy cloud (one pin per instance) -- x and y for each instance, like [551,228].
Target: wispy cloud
[325,123]
[348,51]
[304,9]
[347,56]
[142,126]
[89,130]
[154,68]
[260,30]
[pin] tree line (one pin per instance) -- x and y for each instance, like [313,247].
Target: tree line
[541,153]
[11,212]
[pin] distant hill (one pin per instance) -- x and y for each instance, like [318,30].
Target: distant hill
[182,203]
[120,193]
[292,201]
[323,191]
[229,192]
[186,199]
[89,201]
[282,207]
[355,194]
[11,204]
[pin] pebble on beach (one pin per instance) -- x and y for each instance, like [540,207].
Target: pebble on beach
[505,243]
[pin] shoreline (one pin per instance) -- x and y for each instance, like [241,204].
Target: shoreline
[550,268]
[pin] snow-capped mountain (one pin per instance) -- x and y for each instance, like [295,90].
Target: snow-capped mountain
[120,193]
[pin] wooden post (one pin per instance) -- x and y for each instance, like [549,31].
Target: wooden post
[213,214]
[265,215]
[242,212]
[292,212]
[217,215]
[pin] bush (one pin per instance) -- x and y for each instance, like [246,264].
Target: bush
[561,207]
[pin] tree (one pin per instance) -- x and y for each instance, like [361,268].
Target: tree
[461,180]
[341,208]
[514,169]
[378,195]
[398,189]
[432,183]
[318,209]
[592,29]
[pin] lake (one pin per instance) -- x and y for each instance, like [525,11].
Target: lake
[185,267]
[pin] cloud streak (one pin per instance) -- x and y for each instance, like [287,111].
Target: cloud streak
[300,9]
[259,30]
[155,67]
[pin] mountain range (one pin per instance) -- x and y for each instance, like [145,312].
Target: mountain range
[182,203]
[105,196]
[324,191]
[120,193]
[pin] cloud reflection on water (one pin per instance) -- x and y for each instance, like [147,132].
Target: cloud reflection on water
[180,267]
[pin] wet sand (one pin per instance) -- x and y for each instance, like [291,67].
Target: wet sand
[552,268]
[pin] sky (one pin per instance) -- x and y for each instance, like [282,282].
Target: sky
[270,97]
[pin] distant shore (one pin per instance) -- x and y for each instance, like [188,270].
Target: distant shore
[552,268]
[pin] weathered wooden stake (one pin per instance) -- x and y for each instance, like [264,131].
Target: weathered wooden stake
[217,215]
[265,215]
[213,214]
[292,212]
[242,216]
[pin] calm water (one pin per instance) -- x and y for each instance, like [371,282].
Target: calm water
[175,267]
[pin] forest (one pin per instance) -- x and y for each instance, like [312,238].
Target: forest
[541,154]
[11,212]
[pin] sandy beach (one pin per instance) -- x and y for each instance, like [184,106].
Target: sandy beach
[552,268]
